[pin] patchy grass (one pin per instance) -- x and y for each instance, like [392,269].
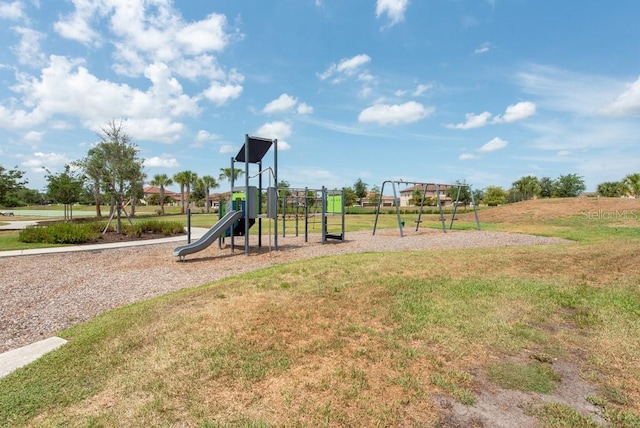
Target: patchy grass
[355,340]
[560,415]
[533,376]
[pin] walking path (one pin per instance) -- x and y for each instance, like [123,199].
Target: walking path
[16,358]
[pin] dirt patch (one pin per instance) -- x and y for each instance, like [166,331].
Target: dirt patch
[498,407]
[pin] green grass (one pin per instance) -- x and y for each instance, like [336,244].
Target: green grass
[533,376]
[559,415]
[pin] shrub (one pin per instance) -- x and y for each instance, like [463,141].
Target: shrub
[167,228]
[59,233]
[79,233]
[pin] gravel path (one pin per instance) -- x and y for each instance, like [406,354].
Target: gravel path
[42,294]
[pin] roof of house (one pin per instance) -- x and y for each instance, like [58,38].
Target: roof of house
[156,190]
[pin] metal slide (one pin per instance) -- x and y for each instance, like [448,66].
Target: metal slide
[210,237]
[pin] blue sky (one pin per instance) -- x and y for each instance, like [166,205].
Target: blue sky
[431,90]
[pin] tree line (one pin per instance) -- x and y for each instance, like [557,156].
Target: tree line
[525,188]
[112,174]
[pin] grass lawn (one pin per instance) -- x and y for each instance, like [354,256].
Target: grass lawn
[370,339]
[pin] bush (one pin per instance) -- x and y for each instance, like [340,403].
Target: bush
[60,233]
[167,228]
[79,233]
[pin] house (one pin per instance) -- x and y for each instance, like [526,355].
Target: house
[406,195]
[153,190]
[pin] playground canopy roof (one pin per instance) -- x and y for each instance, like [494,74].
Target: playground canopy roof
[258,147]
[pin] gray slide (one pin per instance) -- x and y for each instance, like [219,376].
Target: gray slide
[210,237]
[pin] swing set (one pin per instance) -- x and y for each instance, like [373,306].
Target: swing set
[436,189]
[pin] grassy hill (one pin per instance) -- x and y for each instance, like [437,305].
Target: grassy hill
[440,338]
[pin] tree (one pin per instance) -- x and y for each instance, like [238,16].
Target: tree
[185,179]
[464,195]
[226,173]
[569,186]
[611,189]
[137,191]
[122,167]
[546,186]
[632,182]
[207,183]
[29,197]
[161,181]
[93,166]
[416,197]
[10,182]
[181,179]
[374,195]
[360,188]
[526,186]
[350,197]
[65,188]
[494,196]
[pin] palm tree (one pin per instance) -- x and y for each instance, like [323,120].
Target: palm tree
[182,178]
[207,182]
[225,174]
[161,181]
[632,181]
[186,179]
[527,186]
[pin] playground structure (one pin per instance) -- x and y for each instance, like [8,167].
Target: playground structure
[245,207]
[426,187]
[310,204]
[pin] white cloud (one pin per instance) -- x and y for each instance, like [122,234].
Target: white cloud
[515,112]
[203,36]
[346,66]
[473,121]
[220,94]
[304,108]
[395,114]
[160,129]
[493,145]
[11,10]
[421,89]
[145,32]
[563,153]
[203,136]
[66,88]
[28,50]
[51,161]
[484,48]
[283,103]
[162,161]
[466,156]
[77,26]
[567,91]
[280,130]
[228,148]
[394,9]
[33,136]
[286,102]
[627,103]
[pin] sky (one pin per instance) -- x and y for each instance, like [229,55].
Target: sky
[485,91]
